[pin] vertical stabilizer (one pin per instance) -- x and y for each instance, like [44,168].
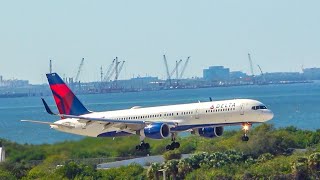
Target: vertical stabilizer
[67,103]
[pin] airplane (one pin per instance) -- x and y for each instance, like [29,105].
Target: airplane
[205,119]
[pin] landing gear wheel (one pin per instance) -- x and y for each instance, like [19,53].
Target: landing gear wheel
[245,138]
[146,146]
[143,146]
[169,147]
[175,144]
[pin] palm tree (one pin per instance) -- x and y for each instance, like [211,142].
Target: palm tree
[184,167]
[314,164]
[171,167]
[153,171]
[300,168]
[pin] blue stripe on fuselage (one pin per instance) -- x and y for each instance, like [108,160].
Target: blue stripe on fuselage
[114,134]
[187,127]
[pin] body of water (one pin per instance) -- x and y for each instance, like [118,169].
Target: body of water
[292,104]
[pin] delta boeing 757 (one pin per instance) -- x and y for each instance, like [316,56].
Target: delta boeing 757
[206,119]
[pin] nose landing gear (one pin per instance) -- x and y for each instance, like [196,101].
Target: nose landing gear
[245,128]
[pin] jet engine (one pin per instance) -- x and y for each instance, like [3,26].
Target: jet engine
[208,132]
[156,131]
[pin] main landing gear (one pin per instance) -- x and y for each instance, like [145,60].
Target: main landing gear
[143,146]
[174,144]
[245,128]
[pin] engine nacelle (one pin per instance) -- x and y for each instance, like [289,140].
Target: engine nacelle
[156,131]
[208,132]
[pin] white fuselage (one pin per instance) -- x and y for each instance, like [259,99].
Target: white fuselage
[179,117]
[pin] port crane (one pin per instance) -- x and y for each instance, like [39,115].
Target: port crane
[79,70]
[251,66]
[167,69]
[50,66]
[118,71]
[110,71]
[114,69]
[184,67]
[175,70]
[262,75]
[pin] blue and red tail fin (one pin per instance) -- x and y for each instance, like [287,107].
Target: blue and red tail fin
[65,99]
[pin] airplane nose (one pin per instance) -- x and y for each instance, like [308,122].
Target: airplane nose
[269,115]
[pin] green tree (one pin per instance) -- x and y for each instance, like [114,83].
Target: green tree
[6,175]
[265,157]
[172,155]
[133,171]
[71,170]
[19,170]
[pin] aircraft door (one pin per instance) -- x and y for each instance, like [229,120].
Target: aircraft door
[197,114]
[242,109]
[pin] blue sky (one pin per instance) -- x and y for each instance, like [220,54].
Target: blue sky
[280,35]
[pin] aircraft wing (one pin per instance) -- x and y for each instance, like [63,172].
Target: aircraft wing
[127,122]
[49,123]
[104,120]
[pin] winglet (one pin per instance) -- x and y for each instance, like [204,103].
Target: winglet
[47,107]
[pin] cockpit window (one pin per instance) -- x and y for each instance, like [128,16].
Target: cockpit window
[258,107]
[263,107]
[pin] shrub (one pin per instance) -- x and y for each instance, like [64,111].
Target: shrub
[169,155]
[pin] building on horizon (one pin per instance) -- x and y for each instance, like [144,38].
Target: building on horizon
[311,73]
[283,76]
[216,73]
[237,75]
[13,83]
